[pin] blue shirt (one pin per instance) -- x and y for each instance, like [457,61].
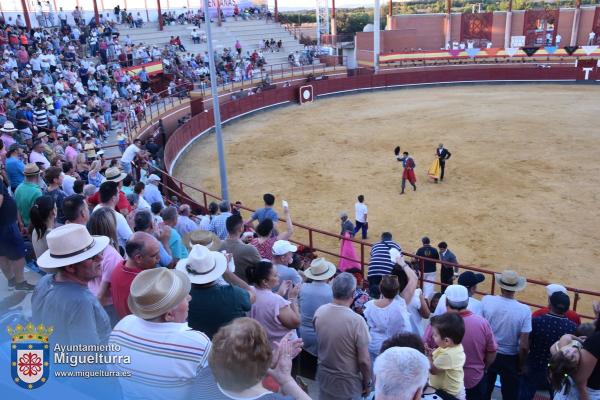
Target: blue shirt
[217,225]
[312,296]
[545,331]
[165,258]
[265,213]
[178,250]
[15,169]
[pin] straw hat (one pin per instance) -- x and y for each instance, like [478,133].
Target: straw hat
[31,169]
[156,291]
[510,280]
[114,174]
[320,270]
[70,244]
[202,265]
[8,127]
[204,238]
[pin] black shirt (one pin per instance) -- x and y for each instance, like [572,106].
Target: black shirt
[592,344]
[8,209]
[429,252]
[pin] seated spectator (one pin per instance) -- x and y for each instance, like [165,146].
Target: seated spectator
[143,222]
[152,193]
[241,357]
[156,209]
[185,224]
[342,344]
[142,253]
[76,210]
[278,315]
[218,224]
[54,180]
[283,255]
[401,374]
[265,240]
[244,255]
[550,290]
[109,196]
[314,293]
[138,190]
[178,250]
[213,305]
[42,214]
[162,348]
[61,299]
[206,220]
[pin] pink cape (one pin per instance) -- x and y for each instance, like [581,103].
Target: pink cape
[347,250]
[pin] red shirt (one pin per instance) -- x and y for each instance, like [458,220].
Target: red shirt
[570,314]
[120,283]
[122,204]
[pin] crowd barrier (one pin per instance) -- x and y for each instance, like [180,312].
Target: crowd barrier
[324,242]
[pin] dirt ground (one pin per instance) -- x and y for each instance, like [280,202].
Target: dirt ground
[521,188]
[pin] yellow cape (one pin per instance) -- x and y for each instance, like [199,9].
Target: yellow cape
[434,169]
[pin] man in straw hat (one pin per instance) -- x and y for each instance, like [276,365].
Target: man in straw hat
[161,346]
[62,299]
[511,323]
[28,192]
[213,305]
[8,130]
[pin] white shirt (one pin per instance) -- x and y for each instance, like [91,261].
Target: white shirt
[129,153]
[152,194]
[508,319]
[143,204]
[474,306]
[67,184]
[123,230]
[360,210]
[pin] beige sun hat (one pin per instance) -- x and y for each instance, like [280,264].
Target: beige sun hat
[70,244]
[320,270]
[202,265]
[114,174]
[510,280]
[204,238]
[156,291]
[31,169]
[8,127]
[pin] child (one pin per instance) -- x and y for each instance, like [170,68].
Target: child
[564,361]
[448,359]
[122,140]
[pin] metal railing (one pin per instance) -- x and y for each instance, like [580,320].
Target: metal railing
[174,186]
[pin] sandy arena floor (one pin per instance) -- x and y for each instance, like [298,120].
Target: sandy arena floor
[521,188]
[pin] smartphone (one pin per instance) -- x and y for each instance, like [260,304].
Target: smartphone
[284,204]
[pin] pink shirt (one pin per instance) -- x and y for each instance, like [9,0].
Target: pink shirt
[266,310]
[478,340]
[265,249]
[36,157]
[8,140]
[71,154]
[110,259]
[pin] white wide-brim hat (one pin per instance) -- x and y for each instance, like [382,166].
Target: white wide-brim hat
[511,281]
[202,265]
[70,244]
[320,270]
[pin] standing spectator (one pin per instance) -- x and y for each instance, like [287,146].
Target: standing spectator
[344,370]
[360,216]
[545,331]
[479,343]
[380,263]
[27,192]
[550,290]
[266,212]
[401,374]
[142,253]
[346,224]
[129,155]
[12,245]
[447,273]
[15,167]
[429,267]
[152,192]
[54,180]
[511,324]
[283,255]
[470,280]
[244,255]
[277,315]
[265,240]
[314,293]
[158,340]
[62,299]
[178,249]
[213,305]
[218,225]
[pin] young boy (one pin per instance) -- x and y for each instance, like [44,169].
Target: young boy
[447,361]
[54,178]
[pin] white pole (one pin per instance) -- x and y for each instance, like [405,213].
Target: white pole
[216,110]
[318,11]
[376,29]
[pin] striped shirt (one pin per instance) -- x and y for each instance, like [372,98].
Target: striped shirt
[380,263]
[40,116]
[167,359]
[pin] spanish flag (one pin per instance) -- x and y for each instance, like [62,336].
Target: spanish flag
[434,169]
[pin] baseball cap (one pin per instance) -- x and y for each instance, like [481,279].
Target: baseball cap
[469,279]
[555,287]
[282,247]
[560,301]
[153,177]
[457,296]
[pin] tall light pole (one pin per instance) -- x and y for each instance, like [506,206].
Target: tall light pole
[216,110]
[318,14]
[376,29]
[508,27]
[576,23]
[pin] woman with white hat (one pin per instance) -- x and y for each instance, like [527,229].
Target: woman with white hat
[315,292]
[61,299]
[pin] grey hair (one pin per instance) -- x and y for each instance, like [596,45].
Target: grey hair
[133,198]
[343,286]
[169,214]
[89,190]
[400,372]
[224,206]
